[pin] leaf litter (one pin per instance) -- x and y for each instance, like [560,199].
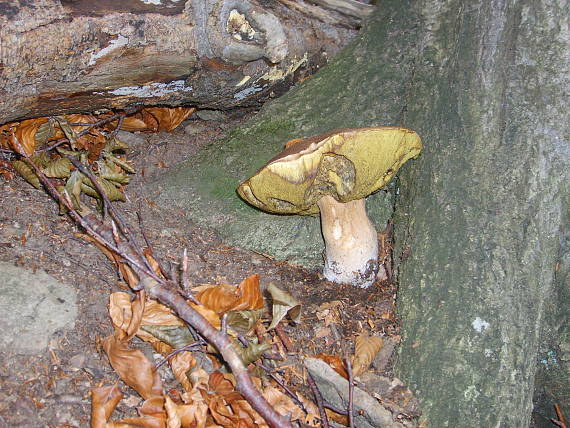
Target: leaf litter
[198,391]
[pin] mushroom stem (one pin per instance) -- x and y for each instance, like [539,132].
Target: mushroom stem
[351,242]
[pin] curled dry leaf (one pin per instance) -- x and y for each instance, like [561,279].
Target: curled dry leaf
[186,415]
[219,298]
[103,402]
[365,350]
[283,304]
[224,297]
[169,118]
[154,314]
[132,365]
[27,173]
[154,119]
[25,131]
[335,362]
[181,363]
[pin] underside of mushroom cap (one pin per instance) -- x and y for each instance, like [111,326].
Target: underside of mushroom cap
[346,164]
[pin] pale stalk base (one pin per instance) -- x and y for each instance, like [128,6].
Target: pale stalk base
[351,242]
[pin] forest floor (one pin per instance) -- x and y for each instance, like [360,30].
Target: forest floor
[52,389]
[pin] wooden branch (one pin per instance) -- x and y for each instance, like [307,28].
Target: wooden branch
[161,289]
[80,56]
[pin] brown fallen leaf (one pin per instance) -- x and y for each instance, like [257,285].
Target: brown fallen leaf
[365,350]
[223,298]
[335,362]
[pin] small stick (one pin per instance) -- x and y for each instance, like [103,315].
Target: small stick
[190,347]
[289,347]
[114,215]
[184,281]
[149,246]
[319,400]
[273,376]
[560,420]
[350,392]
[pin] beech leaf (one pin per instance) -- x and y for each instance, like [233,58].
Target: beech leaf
[242,321]
[58,168]
[27,173]
[365,350]
[174,335]
[283,304]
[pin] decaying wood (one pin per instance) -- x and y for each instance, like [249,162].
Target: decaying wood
[61,57]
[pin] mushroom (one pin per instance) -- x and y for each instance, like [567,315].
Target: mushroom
[331,174]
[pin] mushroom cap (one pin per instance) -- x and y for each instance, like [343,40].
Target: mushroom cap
[346,164]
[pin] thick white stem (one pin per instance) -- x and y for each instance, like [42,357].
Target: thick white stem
[351,242]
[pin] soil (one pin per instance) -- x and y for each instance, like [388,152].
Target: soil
[53,389]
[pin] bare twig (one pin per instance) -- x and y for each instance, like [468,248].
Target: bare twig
[160,289]
[560,420]
[350,392]
[222,342]
[319,400]
[111,209]
[273,376]
[289,347]
[190,347]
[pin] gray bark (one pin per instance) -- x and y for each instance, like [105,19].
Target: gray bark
[479,215]
[61,57]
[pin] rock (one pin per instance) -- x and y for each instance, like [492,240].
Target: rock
[195,127]
[368,413]
[33,307]
[210,115]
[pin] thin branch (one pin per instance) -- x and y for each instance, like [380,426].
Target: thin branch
[159,289]
[350,392]
[190,347]
[319,400]
[111,209]
[222,342]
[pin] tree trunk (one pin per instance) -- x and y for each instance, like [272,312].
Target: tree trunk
[61,57]
[479,216]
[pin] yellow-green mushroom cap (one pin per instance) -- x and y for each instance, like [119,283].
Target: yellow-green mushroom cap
[347,164]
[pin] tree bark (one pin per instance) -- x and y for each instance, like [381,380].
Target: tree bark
[62,57]
[479,216]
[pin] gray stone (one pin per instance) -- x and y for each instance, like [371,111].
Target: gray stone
[210,115]
[33,307]
[368,413]
[195,127]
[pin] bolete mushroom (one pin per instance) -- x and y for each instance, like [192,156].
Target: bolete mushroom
[332,174]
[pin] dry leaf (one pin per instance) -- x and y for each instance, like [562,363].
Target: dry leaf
[365,350]
[283,304]
[220,298]
[224,297]
[181,363]
[132,366]
[169,118]
[335,362]
[103,403]
[251,297]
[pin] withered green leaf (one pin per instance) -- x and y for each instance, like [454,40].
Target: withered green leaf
[109,188]
[41,159]
[67,130]
[73,189]
[123,164]
[27,173]
[113,144]
[176,336]
[58,168]
[253,352]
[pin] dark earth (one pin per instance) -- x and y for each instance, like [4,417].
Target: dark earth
[53,389]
